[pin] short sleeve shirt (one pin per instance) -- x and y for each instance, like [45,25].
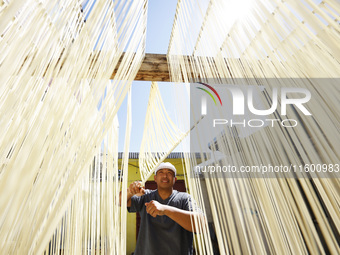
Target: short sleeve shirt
[161,234]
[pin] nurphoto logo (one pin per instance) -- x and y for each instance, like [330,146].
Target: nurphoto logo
[243,102]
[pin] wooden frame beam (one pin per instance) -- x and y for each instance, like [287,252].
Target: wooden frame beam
[154,68]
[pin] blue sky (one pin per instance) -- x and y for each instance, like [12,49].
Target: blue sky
[161,14]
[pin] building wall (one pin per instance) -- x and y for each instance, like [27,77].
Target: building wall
[131,217]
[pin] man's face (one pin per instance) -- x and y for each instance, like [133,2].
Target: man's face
[165,178]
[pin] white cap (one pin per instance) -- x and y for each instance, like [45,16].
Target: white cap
[166,165]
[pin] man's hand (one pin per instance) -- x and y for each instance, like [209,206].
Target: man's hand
[136,188]
[182,217]
[155,208]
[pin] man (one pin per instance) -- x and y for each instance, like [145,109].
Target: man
[166,215]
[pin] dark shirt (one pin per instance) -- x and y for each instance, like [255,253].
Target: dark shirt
[162,235]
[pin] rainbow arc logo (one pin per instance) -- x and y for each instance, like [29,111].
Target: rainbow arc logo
[209,93]
[204,102]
